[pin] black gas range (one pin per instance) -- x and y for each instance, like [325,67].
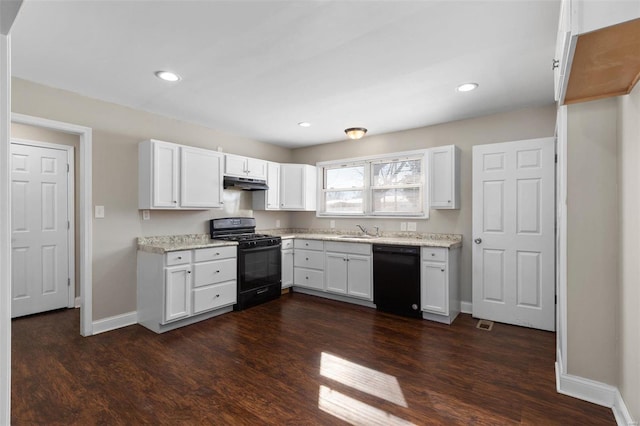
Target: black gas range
[259,267]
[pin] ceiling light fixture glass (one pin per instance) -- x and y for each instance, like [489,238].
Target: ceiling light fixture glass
[304,124]
[467,87]
[167,76]
[355,132]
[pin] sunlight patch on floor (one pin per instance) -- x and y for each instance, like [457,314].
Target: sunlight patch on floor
[361,378]
[355,412]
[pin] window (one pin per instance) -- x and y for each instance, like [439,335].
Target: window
[379,186]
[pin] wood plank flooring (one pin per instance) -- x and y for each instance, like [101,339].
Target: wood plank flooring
[300,360]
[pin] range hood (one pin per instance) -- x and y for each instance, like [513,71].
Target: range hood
[246,184]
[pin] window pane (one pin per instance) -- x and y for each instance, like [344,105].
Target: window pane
[345,177]
[343,202]
[397,200]
[396,173]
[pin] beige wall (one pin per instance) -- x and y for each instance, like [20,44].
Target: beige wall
[629,265]
[116,133]
[592,241]
[511,126]
[22,131]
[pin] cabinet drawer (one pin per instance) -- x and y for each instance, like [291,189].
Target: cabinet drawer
[214,253]
[178,257]
[309,244]
[308,259]
[214,272]
[351,248]
[434,253]
[308,278]
[214,296]
[287,244]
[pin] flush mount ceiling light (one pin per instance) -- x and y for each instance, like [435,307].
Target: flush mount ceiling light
[467,87]
[304,124]
[355,132]
[167,76]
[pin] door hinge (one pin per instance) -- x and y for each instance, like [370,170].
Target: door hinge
[67,167]
[68,224]
[68,282]
[556,159]
[556,299]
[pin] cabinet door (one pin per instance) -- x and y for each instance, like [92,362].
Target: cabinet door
[273,180]
[292,186]
[235,165]
[200,178]
[287,268]
[177,289]
[165,175]
[336,272]
[359,276]
[434,289]
[441,171]
[256,169]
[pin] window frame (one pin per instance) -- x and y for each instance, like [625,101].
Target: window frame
[368,188]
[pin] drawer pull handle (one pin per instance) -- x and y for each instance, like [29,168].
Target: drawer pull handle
[442,270]
[179,257]
[433,254]
[217,272]
[306,278]
[217,295]
[188,272]
[306,258]
[217,254]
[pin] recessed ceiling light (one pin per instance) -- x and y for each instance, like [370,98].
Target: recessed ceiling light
[304,124]
[167,76]
[467,87]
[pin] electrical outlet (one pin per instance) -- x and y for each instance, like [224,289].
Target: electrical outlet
[146,215]
[277,223]
[99,213]
[332,224]
[219,149]
[403,226]
[412,226]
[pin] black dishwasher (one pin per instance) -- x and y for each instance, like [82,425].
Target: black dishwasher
[396,279]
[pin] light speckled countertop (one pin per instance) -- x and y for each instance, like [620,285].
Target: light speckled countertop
[395,238]
[167,243]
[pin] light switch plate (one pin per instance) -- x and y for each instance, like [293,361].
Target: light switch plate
[146,215]
[99,213]
[412,226]
[403,226]
[332,224]
[277,223]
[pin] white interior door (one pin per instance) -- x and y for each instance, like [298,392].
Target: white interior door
[513,230]
[39,229]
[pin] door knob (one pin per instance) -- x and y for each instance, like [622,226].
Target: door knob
[477,240]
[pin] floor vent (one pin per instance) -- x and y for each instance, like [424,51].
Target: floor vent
[485,325]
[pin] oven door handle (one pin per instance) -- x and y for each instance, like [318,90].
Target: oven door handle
[257,249]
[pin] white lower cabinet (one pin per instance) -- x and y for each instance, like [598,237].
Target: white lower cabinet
[308,264]
[287,263]
[349,269]
[439,284]
[182,287]
[177,303]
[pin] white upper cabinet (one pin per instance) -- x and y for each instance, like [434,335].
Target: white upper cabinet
[297,187]
[172,176]
[200,178]
[444,177]
[236,165]
[269,199]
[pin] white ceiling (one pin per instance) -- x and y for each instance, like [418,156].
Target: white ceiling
[257,68]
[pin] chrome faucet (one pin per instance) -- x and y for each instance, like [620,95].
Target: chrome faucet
[363,229]
[377,231]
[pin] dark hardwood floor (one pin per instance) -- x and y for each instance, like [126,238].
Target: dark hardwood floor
[299,360]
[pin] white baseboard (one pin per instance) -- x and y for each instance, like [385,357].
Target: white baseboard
[620,411]
[118,321]
[595,392]
[466,307]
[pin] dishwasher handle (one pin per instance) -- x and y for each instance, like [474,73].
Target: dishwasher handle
[402,250]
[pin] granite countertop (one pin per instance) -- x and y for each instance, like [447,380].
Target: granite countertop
[167,243]
[397,238]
